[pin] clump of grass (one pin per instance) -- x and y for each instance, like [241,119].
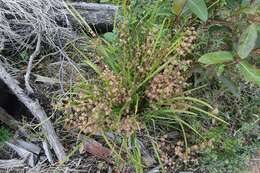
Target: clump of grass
[140,69]
[140,78]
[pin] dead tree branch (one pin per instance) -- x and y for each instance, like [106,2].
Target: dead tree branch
[30,64]
[36,110]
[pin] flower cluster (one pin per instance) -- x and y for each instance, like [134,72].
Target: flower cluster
[144,54]
[168,83]
[92,113]
[166,155]
[85,115]
[186,45]
[172,155]
[144,51]
[129,125]
[115,91]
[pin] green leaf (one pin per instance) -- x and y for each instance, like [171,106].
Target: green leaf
[110,36]
[250,73]
[247,41]
[199,8]
[178,6]
[216,58]
[258,28]
[220,69]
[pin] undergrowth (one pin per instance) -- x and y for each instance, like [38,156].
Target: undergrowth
[144,83]
[5,135]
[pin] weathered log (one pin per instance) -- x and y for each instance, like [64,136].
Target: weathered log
[36,110]
[19,33]
[97,15]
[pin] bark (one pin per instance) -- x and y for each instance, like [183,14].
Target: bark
[96,14]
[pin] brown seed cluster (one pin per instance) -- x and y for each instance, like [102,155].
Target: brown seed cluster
[87,115]
[186,45]
[145,51]
[124,33]
[166,154]
[144,54]
[94,114]
[129,125]
[175,154]
[115,91]
[168,83]
[171,81]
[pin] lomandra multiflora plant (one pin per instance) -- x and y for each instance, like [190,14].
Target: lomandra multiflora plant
[140,76]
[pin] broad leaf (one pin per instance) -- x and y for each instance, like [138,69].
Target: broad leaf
[250,72]
[220,69]
[230,85]
[247,41]
[110,36]
[199,8]
[178,6]
[219,57]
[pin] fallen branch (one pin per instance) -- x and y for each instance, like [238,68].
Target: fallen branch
[11,164]
[47,151]
[36,110]
[30,64]
[29,152]
[94,14]
[22,21]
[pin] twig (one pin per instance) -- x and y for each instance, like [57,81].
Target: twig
[154,170]
[29,67]
[47,151]
[23,153]
[36,110]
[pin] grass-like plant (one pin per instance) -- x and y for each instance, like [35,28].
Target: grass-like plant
[140,70]
[139,77]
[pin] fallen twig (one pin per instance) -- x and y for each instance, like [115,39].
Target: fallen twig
[47,151]
[30,64]
[27,156]
[13,163]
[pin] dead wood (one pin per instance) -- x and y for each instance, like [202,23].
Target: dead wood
[29,152]
[36,110]
[13,163]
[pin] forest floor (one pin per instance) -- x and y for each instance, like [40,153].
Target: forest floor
[153,86]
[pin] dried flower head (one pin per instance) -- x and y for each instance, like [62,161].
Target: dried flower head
[186,45]
[168,83]
[115,91]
